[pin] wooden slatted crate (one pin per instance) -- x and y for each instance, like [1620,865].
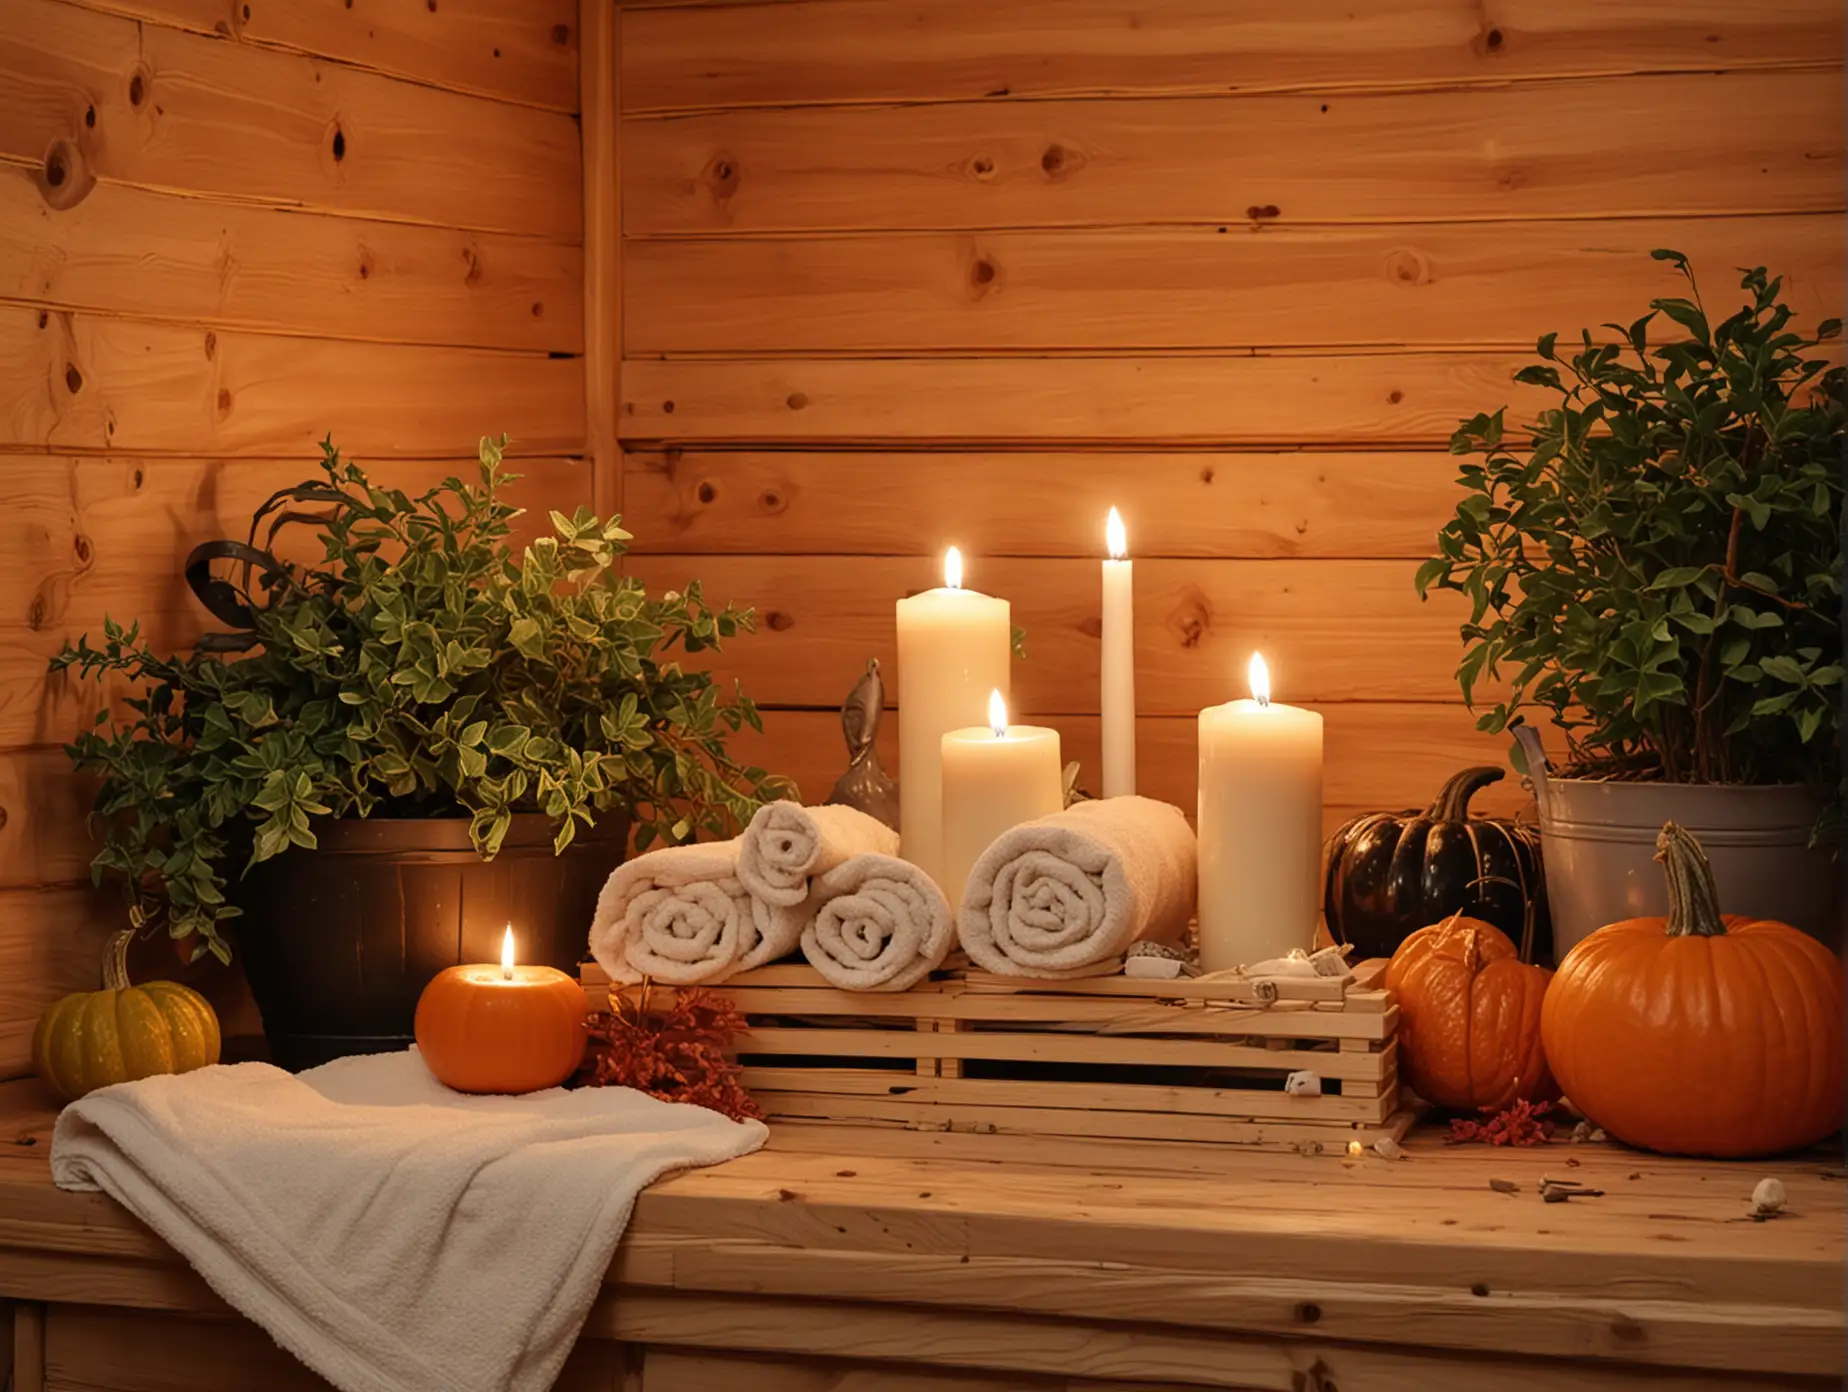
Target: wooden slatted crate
[1106,1056]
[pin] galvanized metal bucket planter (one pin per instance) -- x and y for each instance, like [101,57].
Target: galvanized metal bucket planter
[1598,840]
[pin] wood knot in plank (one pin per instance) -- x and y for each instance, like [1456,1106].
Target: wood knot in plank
[211,345]
[706,493]
[1091,626]
[772,501]
[983,273]
[83,550]
[224,401]
[73,379]
[721,177]
[1192,618]
[472,259]
[796,400]
[1491,41]
[778,622]
[1395,396]
[1408,267]
[982,168]
[1263,212]
[1059,162]
[64,176]
[138,88]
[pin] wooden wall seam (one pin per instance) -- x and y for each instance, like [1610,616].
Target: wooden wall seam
[603,260]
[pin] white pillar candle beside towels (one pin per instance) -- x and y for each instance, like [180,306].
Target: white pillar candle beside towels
[1260,828]
[995,777]
[954,646]
[1117,697]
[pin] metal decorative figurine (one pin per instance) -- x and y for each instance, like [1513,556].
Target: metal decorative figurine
[866,785]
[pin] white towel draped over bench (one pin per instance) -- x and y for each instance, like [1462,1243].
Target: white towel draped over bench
[393,1235]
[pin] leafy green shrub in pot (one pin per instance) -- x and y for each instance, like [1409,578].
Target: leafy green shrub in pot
[1656,563]
[418,670]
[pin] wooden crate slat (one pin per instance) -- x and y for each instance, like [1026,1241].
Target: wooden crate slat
[1147,1098]
[1127,1050]
[1075,1122]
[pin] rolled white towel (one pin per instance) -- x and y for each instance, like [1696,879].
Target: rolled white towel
[787,844]
[1055,896]
[680,915]
[880,924]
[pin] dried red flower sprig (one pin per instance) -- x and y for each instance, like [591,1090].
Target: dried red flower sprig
[1523,1124]
[677,1055]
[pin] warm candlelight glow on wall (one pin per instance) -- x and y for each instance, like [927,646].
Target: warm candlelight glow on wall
[507,955]
[1260,680]
[1115,537]
[997,714]
[952,569]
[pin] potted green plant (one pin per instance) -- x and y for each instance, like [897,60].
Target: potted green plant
[1656,562]
[403,746]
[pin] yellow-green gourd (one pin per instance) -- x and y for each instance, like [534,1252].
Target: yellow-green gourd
[123,1032]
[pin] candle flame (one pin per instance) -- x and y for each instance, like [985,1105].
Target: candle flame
[507,955]
[997,713]
[1115,537]
[1260,680]
[952,568]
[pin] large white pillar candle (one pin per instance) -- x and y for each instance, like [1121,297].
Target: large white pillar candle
[954,646]
[1117,698]
[995,777]
[1260,828]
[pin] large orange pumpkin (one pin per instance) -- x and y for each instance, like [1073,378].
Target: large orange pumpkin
[1469,1016]
[1699,1033]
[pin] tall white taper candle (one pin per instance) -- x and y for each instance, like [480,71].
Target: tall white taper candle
[1117,698]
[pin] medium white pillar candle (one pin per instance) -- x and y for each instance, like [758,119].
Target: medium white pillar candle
[1117,698]
[954,646]
[995,777]
[1260,828]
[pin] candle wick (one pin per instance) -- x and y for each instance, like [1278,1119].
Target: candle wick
[1264,701]
[506,973]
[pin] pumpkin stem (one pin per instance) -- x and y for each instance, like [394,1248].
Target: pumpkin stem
[1452,801]
[115,961]
[1693,898]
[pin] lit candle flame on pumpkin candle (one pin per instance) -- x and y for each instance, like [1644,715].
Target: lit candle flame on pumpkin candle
[1115,537]
[1260,680]
[997,714]
[507,955]
[952,569]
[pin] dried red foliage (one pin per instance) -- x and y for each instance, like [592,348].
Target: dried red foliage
[677,1055]
[1523,1124]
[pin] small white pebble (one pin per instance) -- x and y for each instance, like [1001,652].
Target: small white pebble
[1582,1132]
[1388,1149]
[1597,1135]
[1769,1196]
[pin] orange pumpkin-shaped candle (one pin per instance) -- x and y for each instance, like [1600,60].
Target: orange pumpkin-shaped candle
[1700,1033]
[505,1028]
[1469,1016]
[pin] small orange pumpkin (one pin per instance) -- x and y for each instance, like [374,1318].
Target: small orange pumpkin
[1700,1033]
[1469,1016]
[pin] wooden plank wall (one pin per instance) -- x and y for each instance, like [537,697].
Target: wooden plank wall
[228,227]
[898,273]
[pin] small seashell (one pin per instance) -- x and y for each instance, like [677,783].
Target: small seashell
[1303,1083]
[1768,1198]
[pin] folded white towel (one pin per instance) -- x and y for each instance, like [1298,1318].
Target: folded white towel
[787,844]
[393,1235]
[881,924]
[681,915]
[1063,893]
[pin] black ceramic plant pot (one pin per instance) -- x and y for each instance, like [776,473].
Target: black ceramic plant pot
[339,942]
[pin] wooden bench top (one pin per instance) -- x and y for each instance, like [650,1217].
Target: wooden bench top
[1118,1259]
